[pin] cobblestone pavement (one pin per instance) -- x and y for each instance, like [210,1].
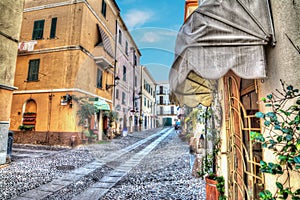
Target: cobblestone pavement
[62,173]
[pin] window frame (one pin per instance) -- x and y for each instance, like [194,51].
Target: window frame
[99,79]
[123,98]
[38,29]
[53,28]
[103,8]
[33,74]
[124,73]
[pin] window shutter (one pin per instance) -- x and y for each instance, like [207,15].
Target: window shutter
[38,29]
[99,78]
[33,70]
[53,28]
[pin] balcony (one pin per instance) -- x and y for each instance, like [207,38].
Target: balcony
[164,92]
[159,113]
[162,102]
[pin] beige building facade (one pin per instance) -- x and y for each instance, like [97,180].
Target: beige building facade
[10,25]
[148,117]
[65,60]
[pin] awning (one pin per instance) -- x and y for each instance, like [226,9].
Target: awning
[105,41]
[219,36]
[101,105]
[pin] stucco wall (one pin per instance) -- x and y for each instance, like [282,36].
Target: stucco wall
[282,60]
[10,18]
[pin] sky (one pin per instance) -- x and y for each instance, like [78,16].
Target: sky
[154,25]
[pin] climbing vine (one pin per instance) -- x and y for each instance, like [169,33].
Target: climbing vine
[282,136]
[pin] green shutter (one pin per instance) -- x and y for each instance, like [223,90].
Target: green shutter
[99,78]
[103,11]
[38,29]
[33,70]
[53,28]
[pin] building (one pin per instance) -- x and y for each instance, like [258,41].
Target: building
[127,103]
[167,111]
[10,25]
[232,76]
[148,104]
[65,64]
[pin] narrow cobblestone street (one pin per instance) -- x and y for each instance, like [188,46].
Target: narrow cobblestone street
[144,165]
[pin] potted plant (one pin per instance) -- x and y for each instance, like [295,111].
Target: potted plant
[26,127]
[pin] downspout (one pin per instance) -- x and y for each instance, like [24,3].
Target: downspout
[115,65]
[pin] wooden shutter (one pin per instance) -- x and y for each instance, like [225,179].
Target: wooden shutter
[38,29]
[53,28]
[33,70]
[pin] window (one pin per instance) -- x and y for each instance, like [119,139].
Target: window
[99,78]
[117,93]
[120,36]
[124,73]
[161,100]
[53,28]
[38,30]
[172,110]
[33,70]
[103,10]
[145,102]
[126,48]
[134,60]
[135,81]
[123,98]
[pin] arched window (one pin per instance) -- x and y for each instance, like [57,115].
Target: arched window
[29,115]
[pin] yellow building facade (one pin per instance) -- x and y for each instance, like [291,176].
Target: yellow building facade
[66,57]
[9,35]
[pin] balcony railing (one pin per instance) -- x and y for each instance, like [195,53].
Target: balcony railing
[164,92]
[161,102]
[165,113]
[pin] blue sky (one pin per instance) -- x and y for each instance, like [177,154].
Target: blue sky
[154,25]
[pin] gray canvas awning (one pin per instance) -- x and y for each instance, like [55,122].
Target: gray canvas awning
[105,41]
[220,36]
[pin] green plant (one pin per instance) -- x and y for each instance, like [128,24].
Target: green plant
[282,136]
[26,127]
[85,112]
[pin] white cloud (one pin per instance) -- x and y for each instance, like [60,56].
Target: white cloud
[150,37]
[134,18]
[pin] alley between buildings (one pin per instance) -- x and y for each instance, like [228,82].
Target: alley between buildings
[153,164]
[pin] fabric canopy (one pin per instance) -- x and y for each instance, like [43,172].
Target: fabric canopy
[220,36]
[101,105]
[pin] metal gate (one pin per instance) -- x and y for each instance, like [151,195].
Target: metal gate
[244,179]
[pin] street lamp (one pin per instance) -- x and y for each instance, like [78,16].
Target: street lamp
[116,82]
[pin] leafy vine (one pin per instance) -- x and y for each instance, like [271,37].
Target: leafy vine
[282,136]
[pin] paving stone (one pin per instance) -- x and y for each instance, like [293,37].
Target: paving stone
[36,194]
[61,182]
[117,174]
[83,171]
[110,179]
[49,187]
[91,194]
[72,177]
[103,185]
[22,198]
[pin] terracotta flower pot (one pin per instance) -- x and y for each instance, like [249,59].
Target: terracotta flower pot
[211,189]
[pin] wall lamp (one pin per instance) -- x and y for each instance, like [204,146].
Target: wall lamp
[116,82]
